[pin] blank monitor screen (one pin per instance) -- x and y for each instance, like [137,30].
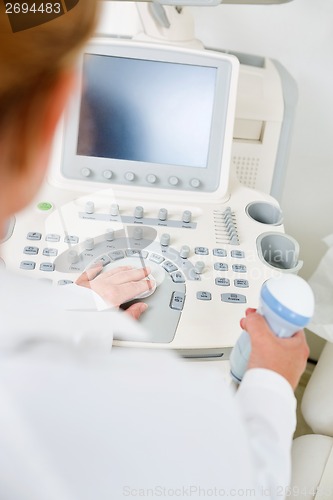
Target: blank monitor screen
[150,116]
[146,111]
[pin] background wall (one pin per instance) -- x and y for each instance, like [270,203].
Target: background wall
[300,35]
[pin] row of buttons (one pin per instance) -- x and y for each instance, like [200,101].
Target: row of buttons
[48,252]
[225,297]
[138,213]
[165,241]
[237,268]
[28,265]
[55,238]
[150,178]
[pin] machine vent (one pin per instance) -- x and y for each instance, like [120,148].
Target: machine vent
[247,169]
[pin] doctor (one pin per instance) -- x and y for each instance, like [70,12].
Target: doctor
[79,423]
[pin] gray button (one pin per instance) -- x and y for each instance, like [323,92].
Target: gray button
[177,277]
[241,283]
[27,265]
[219,252]
[222,281]
[65,282]
[177,300]
[151,178]
[235,298]
[116,255]
[169,266]
[238,254]
[137,253]
[220,266]
[195,183]
[204,296]
[50,252]
[71,239]
[86,172]
[239,268]
[107,174]
[201,250]
[129,176]
[173,180]
[34,236]
[155,257]
[47,266]
[52,237]
[31,250]
[103,259]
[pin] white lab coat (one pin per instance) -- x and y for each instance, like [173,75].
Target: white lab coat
[81,422]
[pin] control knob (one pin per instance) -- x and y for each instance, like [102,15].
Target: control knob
[89,244]
[138,233]
[109,235]
[114,209]
[163,214]
[199,267]
[73,257]
[184,251]
[187,216]
[138,212]
[90,207]
[165,239]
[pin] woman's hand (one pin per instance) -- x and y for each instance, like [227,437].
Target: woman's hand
[286,356]
[118,285]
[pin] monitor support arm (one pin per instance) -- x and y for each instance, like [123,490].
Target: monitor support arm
[167,24]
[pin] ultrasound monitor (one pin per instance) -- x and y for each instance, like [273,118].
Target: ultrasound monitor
[151,116]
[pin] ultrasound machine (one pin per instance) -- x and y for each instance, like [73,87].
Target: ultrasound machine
[141,175]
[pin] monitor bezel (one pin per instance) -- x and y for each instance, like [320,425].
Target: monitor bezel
[212,179]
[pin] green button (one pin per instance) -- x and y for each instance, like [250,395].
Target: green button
[44,206]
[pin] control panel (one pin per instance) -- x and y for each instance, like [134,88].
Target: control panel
[207,261]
